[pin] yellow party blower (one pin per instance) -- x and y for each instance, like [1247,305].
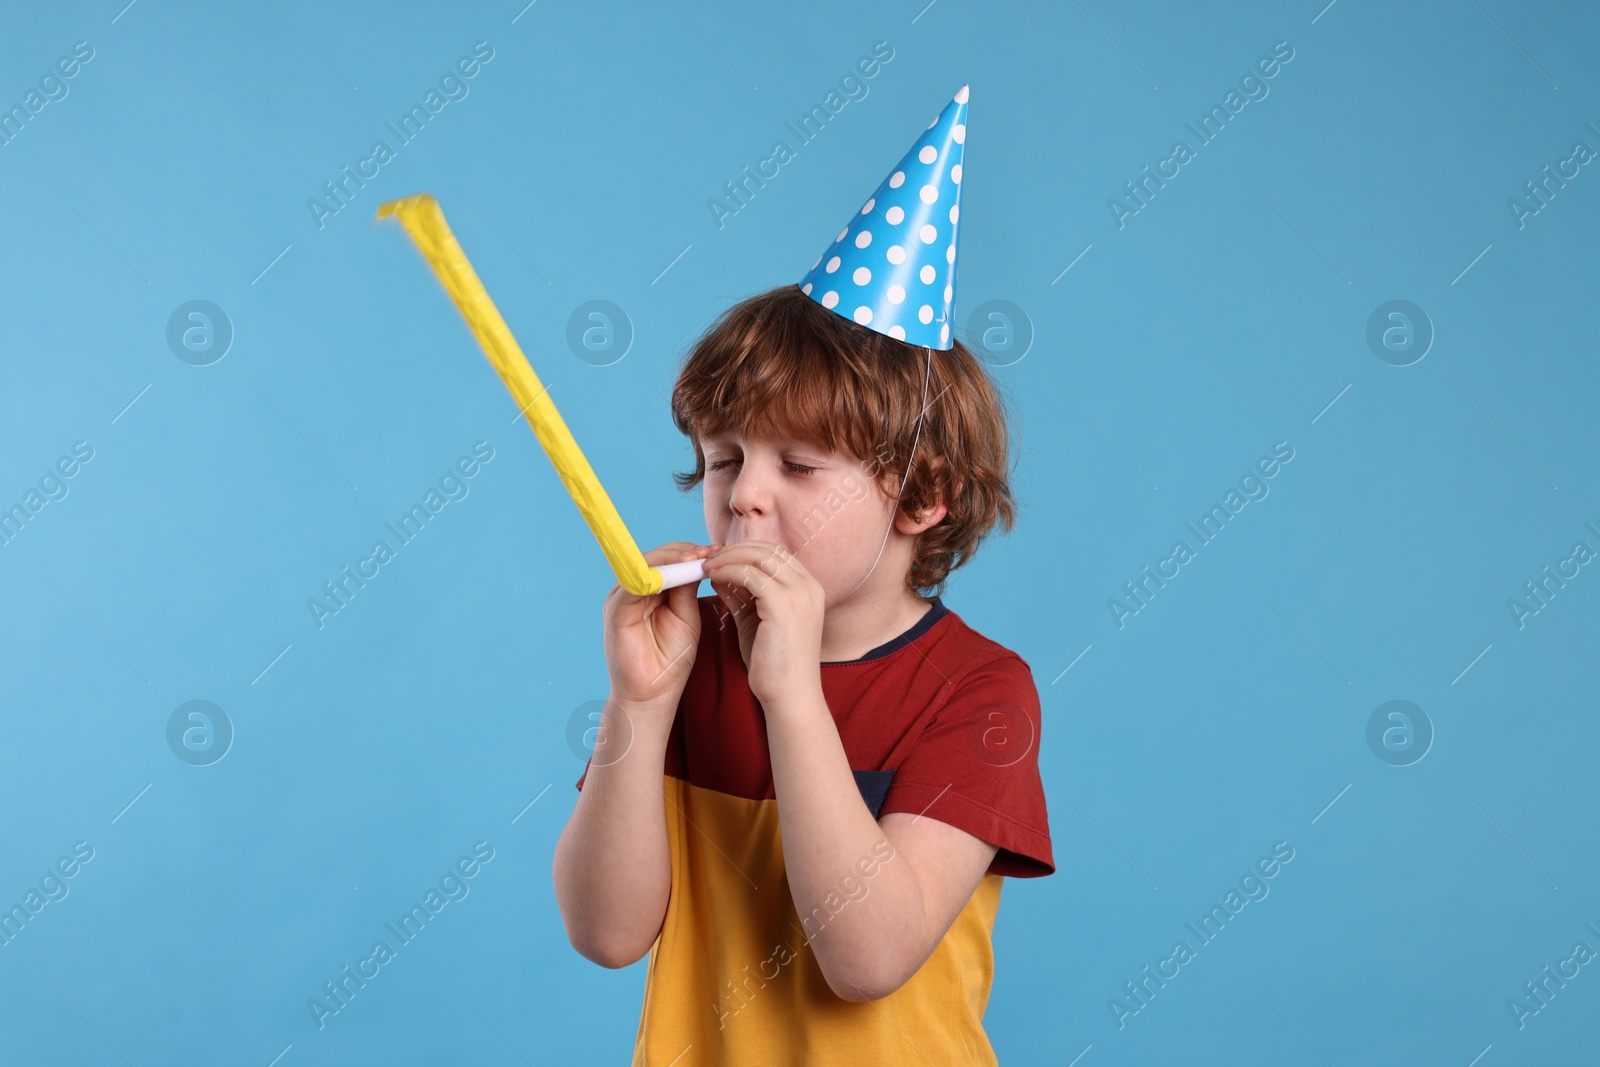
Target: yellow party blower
[424,221]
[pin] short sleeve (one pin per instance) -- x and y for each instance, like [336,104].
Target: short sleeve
[976,767]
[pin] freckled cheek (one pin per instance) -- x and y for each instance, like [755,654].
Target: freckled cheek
[716,509]
[824,543]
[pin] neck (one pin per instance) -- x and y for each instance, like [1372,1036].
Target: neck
[867,619]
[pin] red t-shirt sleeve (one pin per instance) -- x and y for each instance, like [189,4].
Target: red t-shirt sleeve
[976,767]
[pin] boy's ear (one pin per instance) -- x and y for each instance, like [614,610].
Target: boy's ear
[933,513]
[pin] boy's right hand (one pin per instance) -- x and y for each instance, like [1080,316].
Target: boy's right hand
[650,640]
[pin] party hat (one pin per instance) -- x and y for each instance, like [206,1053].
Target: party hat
[893,267]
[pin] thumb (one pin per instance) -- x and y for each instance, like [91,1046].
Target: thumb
[741,611]
[683,602]
[731,600]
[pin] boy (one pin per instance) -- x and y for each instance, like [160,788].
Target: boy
[808,786]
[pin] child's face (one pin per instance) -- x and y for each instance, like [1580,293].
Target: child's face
[825,507]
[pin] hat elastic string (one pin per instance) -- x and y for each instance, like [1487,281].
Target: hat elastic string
[927,373]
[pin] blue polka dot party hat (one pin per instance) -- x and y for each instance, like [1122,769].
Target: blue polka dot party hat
[893,267]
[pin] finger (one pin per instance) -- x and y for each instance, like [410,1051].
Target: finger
[748,576]
[681,599]
[751,552]
[750,549]
[736,600]
[677,552]
[633,605]
[771,559]
[683,602]
[671,552]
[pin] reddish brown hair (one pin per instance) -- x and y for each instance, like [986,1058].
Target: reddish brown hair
[781,365]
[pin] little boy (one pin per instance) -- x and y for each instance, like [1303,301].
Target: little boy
[808,786]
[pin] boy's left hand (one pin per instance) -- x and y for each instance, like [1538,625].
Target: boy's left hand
[777,605]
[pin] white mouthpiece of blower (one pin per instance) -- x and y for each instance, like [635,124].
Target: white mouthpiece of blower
[676,574]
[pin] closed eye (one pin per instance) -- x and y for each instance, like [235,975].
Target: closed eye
[797,468]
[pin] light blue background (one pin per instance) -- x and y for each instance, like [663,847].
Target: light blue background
[1228,715]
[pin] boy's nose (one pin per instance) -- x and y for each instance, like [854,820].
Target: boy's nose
[749,496]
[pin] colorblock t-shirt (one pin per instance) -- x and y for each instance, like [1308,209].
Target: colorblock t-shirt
[941,722]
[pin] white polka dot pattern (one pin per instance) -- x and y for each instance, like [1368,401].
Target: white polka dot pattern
[903,241]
